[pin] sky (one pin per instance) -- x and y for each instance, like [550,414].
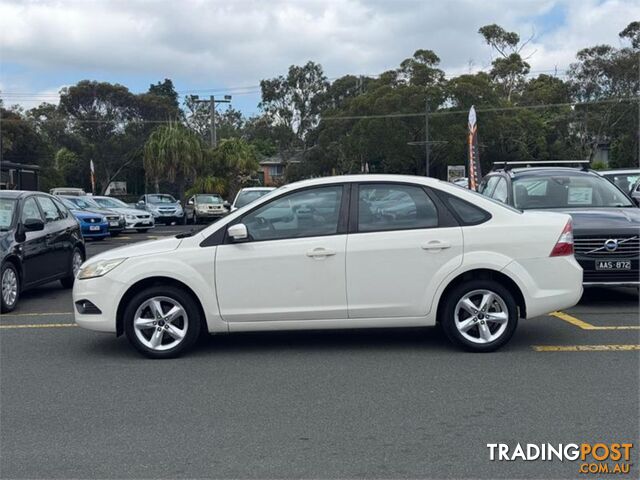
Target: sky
[226,47]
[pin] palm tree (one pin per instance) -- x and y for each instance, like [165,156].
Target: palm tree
[173,152]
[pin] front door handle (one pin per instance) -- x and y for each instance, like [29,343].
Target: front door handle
[435,245]
[320,253]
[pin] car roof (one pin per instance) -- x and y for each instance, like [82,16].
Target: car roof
[20,193]
[545,171]
[257,189]
[621,171]
[369,177]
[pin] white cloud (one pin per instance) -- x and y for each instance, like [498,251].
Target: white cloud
[236,43]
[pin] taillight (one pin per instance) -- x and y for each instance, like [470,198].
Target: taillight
[564,245]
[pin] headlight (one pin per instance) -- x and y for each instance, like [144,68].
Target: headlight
[130,217]
[99,268]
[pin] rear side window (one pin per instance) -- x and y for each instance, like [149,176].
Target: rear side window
[464,211]
[383,207]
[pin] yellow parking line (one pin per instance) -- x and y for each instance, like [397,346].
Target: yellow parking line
[587,326]
[586,348]
[39,325]
[37,314]
[120,238]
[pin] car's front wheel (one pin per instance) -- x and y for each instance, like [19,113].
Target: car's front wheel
[480,315]
[10,287]
[76,261]
[162,321]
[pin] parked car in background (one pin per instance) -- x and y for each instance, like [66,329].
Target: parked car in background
[67,191]
[336,260]
[40,242]
[606,221]
[247,195]
[625,179]
[92,225]
[87,204]
[163,207]
[205,206]
[135,219]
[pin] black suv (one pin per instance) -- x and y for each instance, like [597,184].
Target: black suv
[606,221]
[40,241]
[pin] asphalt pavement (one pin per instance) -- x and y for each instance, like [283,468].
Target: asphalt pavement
[397,403]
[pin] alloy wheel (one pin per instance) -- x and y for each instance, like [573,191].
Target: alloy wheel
[9,287]
[481,316]
[160,323]
[76,262]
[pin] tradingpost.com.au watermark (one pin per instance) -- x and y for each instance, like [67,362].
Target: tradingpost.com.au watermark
[593,458]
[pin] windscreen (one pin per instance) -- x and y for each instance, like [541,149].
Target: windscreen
[567,191]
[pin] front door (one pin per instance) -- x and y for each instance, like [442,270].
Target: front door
[399,251]
[36,263]
[292,266]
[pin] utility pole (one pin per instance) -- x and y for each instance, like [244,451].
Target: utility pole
[427,143]
[427,150]
[212,114]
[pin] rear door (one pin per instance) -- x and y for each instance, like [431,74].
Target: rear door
[401,244]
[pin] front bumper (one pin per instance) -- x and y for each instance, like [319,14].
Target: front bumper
[134,223]
[87,233]
[101,292]
[210,213]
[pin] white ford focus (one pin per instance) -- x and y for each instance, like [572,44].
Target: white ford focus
[342,252]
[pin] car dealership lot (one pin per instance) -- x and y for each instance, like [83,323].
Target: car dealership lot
[376,403]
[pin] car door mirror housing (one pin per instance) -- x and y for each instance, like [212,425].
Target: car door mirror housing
[33,225]
[190,202]
[238,232]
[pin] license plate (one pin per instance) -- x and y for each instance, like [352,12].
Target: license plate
[94,228]
[146,222]
[613,265]
[113,224]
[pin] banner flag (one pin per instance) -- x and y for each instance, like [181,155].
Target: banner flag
[93,177]
[475,175]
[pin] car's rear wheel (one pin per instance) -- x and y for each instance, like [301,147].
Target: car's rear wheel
[10,287]
[76,261]
[479,315]
[162,321]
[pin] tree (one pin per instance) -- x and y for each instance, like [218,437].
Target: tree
[509,69]
[173,152]
[294,102]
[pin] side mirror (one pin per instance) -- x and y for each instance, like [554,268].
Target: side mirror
[33,225]
[226,204]
[179,202]
[190,202]
[238,232]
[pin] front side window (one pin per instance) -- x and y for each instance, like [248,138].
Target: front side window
[30,210]
[64,213]
[309,213]
[394,207]
[51,212]
[501,193]
[567,191]
[488,185]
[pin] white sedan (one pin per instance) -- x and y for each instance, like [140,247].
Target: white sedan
[357,251]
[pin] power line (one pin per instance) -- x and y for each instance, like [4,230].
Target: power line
[482,110]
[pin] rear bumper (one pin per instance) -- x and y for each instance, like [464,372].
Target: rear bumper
[612,284]
[547,284]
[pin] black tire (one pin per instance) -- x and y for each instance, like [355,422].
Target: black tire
[448,319]
[142,230]
[188,303]
[68,281]
[8,267]
[183,220]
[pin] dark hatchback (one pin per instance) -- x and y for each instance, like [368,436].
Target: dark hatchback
[40,241]
[606,221]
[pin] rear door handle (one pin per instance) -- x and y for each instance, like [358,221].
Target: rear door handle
[320,253]
[435,245]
